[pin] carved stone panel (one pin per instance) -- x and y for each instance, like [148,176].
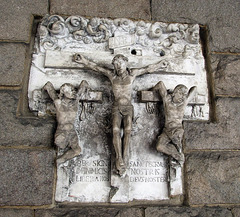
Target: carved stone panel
[120,90]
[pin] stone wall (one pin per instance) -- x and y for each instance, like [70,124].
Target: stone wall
[27,154]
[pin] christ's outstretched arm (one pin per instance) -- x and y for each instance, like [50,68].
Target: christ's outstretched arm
[78,58]
[160,66]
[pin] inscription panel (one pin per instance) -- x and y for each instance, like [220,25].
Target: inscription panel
[91,171]
[83,178]
[148,179]
[148,174]
[87,175]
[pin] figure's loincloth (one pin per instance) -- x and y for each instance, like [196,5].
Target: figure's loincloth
[64,137]
[124,110]
[175,134]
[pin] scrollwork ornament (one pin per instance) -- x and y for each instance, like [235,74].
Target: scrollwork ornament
[109,25]
[104,34]
[188,51]
[49,44]
[173,27]
[170,40]
[78,35]
[87,40]
[193,34]
[125,24]
[155,30]
[81,35]
[73,23]
[177,50]
[92,27]
[182,27]
[141,28]
[57,27]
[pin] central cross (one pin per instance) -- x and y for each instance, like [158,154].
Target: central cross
[121,78]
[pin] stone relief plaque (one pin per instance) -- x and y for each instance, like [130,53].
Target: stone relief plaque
[120,90]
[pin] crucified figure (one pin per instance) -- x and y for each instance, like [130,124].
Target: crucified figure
[122,79]
[170,141]
[67,103]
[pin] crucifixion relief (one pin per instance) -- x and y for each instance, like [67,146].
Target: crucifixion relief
[121,78]
[89,73]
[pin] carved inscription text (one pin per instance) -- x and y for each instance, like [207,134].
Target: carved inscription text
[148,171]
[91,171]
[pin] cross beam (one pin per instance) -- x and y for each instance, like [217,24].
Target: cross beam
[64,60]
[154,96]
[149,96]
[93,96]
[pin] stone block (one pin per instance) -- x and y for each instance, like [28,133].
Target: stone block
[186,211]
[16,18]
[16,213]
[20,131]
[125,8]
[26,177]
[131,212]
[83,212]
[12,58]
[221,135]
[226,69]
[213,178]
[221,16]
[236,212]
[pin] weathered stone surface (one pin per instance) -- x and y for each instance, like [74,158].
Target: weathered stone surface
[131,212]
[222,17]
[14,132]
[96,211]
[221,135]
[26,177]
[12,58]
[236,212]
[213,178]
[185,212]
[226,69]
[125,8]
[16,213]
[16,18]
